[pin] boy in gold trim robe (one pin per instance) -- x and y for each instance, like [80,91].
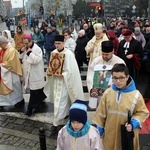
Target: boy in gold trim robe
[113,108]
[10,74]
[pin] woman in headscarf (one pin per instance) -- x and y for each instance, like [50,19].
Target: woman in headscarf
[112,37]
[7,35]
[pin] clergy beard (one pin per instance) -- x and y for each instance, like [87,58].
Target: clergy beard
[107,59]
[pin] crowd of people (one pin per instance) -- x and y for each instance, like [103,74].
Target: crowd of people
[114,53]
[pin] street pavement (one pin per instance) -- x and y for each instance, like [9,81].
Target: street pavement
[22,133]
[19,132]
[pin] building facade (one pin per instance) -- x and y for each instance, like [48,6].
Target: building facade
[8,8]
[111,8]
[2,9]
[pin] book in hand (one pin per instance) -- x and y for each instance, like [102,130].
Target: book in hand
[56,64]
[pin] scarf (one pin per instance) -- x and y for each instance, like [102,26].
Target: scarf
[80,133]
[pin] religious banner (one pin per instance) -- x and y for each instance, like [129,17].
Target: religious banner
[56,64]
[101,81]
[102,76]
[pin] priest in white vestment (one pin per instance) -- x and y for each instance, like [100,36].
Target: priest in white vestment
[10,75]
[63,89]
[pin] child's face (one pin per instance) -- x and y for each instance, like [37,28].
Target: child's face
[77,126]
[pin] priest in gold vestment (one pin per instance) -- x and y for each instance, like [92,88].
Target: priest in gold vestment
[10,75]
[93,47]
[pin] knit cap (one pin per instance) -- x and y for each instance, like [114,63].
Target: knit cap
[78,111]
[49,27]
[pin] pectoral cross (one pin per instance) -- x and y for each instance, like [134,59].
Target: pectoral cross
[104,67]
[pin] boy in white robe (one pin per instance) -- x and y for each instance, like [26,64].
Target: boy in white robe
[78,133]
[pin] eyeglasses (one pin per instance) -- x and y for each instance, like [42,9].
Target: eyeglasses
[65,34]
[120,79]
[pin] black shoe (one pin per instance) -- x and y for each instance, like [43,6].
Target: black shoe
[28,112]
[20,103]
[1,107]
[37,110]
[53,129]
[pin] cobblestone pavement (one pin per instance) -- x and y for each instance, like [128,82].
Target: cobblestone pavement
[23,134]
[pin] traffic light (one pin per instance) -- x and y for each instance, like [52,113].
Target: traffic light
[98,8]
[19,11]
[41,9]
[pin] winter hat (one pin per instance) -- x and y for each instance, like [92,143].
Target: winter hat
[107,46]
[49,27]
[78,111]
[82,32]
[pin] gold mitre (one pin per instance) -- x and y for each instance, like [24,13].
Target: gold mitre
[98,27]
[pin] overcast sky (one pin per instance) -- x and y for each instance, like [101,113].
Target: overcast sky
[17,3]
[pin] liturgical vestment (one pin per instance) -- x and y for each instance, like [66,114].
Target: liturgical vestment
[10,76]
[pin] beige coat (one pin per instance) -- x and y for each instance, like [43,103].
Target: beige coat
[18,38]
[112,113]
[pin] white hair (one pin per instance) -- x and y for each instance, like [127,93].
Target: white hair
[3,39]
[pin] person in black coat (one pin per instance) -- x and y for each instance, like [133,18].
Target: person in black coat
[88,31]
[131,51]
[44,28]
[49,43]
[80,52]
